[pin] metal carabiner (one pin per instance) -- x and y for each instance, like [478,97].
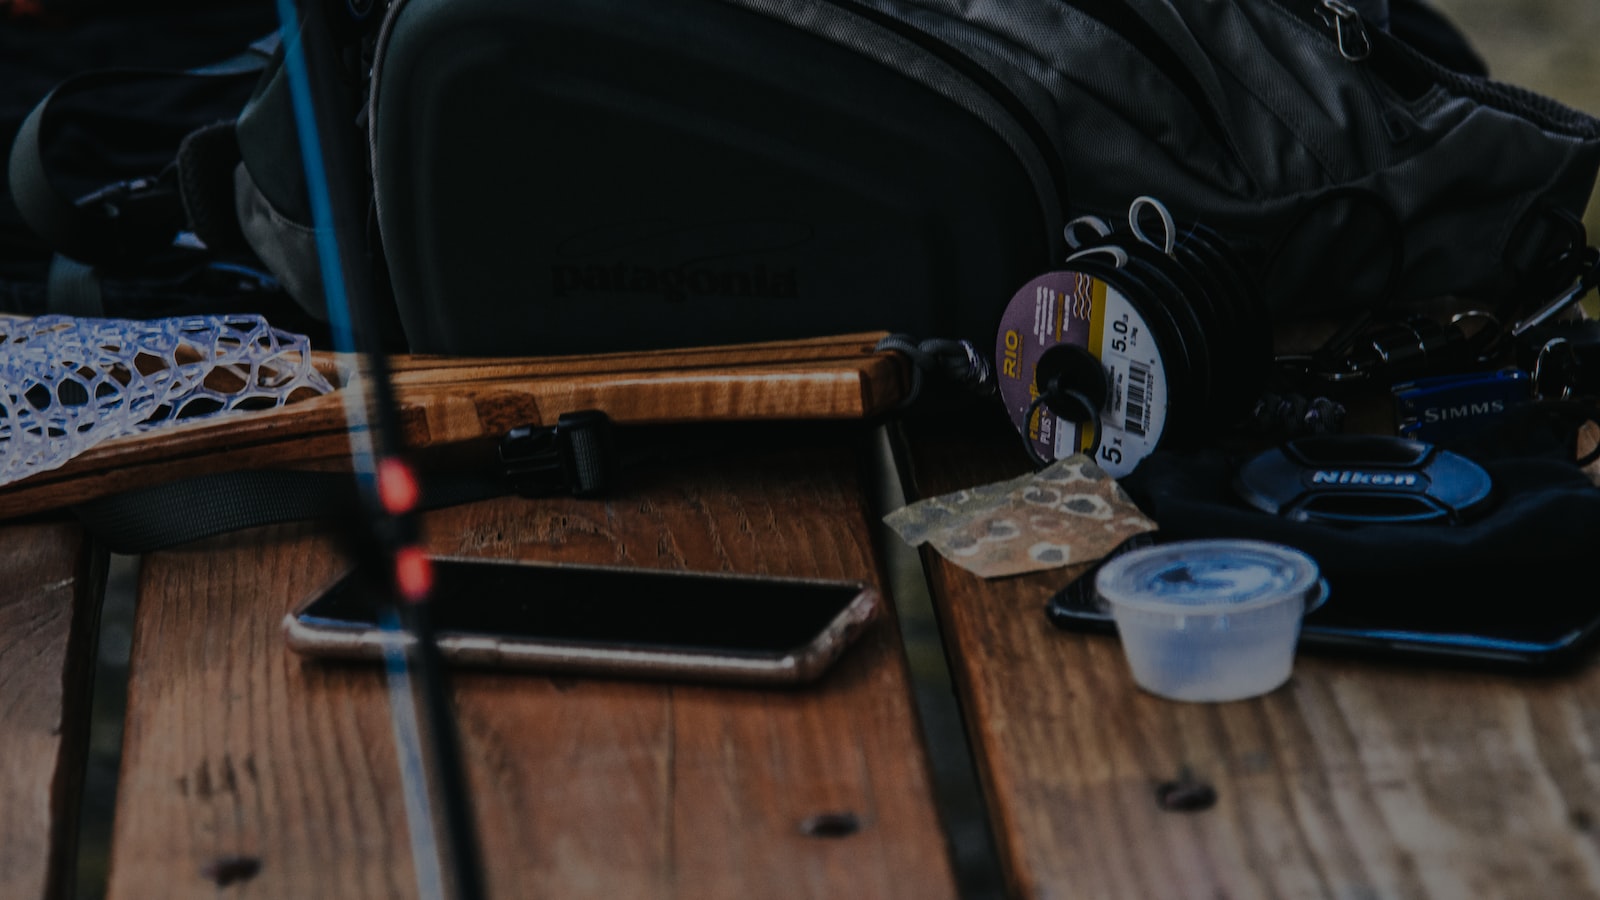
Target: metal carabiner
[1541,364]
[1351,32]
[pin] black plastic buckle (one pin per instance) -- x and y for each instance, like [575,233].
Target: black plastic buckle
[130,219]
[576,455]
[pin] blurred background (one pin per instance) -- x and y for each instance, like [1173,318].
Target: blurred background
[1551,47]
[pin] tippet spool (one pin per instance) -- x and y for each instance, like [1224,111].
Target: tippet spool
[1133,345]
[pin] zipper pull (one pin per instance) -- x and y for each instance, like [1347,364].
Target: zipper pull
[1348,27]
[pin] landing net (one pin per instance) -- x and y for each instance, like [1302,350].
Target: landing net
[68,384]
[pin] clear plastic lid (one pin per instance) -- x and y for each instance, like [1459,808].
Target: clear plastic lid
[1227,575]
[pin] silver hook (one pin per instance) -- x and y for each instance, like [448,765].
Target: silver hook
[1538,368]
[1118,255]
[1170,238]
[1098,225]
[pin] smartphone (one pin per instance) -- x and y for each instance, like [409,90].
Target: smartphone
[606,620]
[1493,617]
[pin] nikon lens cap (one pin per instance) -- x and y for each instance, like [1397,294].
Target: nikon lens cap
[1364,479]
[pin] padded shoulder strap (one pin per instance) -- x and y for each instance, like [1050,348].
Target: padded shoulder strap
[114,222]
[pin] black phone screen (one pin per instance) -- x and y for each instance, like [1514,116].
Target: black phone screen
[606,606]
[1500,616]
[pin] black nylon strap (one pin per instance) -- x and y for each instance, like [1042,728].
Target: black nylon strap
[152,518]
[164,515]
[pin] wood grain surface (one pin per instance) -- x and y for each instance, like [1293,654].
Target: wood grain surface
[246,763]
[50,583]
[1356,780]
[452,400]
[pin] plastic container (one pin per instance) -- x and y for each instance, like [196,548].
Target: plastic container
[1210,620]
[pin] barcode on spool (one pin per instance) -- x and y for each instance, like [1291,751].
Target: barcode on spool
[1134,411]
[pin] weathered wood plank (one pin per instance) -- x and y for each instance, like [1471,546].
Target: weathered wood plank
[1356,780]
[453,400]
[235,747]
[50,584]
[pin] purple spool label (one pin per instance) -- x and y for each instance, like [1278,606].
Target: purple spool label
[1061,308]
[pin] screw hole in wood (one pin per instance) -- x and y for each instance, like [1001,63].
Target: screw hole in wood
[831,825]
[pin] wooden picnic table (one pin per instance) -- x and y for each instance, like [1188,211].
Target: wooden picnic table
[249,771]
[1355,780]
[50,584]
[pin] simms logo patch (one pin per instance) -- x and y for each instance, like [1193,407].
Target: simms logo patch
[1463,411]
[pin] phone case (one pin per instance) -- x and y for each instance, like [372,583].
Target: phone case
[803,664]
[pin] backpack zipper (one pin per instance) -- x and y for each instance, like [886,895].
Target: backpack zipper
[1349,30]
[1337,19]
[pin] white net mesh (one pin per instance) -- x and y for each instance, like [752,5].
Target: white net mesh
[67,384]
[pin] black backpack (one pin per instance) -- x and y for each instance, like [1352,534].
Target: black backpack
[583,175]
[118,122]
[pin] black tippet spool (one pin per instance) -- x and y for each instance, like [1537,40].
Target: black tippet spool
[1133,344]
